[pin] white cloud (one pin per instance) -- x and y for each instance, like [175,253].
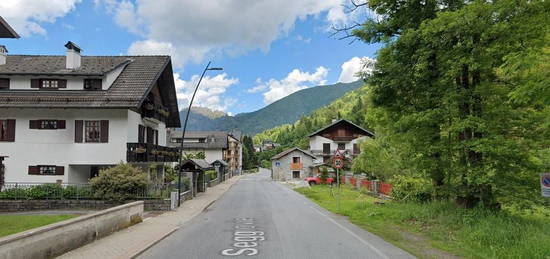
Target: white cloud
[295,80]
[199,28]
[25,16]
[209,93]
[353,69]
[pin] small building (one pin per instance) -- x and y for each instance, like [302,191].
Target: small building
[216,145]
[194,170]
[290,164]
[342,135]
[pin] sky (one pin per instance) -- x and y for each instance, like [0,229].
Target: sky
[268,49]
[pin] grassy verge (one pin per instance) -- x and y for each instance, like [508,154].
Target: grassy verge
[435,230]
[11,224]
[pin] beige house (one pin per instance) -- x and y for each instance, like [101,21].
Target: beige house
[291,164]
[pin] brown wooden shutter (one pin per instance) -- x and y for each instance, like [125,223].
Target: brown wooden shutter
[61,124]
[34,124]
[59,170]
[11,131]
[150,137]
[62,83]
[156,137]
[34,169]
[141,134]
[78,125]
[104,133]
[4,83]
[35,83]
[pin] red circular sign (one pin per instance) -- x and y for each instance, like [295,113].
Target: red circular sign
[338,163]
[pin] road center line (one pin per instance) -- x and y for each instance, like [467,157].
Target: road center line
[351,233]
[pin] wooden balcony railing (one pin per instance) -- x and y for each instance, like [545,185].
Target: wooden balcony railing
[142,152]
[296,166]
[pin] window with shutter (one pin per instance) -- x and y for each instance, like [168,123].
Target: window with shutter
[104,131]
[92,84]
[7,130]
[47,124]
[4,83]
[78,127]
[92,131]
[48,83]
[46,170]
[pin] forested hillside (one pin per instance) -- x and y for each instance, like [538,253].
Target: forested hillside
[286,110]
[459,102]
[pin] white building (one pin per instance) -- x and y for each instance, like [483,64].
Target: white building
[62,118]
[341,135]
[216,145]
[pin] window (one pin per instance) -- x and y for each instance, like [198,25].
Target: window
[92,131]
[296,160]
[141,134]
[295,174]
[92,84]
[46,170]
[326,148]
[341,146]
[202,140]
[47,124]
[356,149]
[7,130]
[4,83]
[49,84]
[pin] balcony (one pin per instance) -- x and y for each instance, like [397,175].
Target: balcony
[343,138]
[143,153]
[344,152]
[157,113]
[296,166]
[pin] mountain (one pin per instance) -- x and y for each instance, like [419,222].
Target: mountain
[284,111]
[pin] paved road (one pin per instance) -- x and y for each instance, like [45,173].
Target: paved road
[259,218]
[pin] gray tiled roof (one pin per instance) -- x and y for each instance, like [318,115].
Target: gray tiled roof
[6,31]
[127,91]
[368,133]
[214,139]
[55,65]
[288,151]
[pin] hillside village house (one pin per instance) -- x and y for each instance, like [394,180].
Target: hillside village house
[216,145]
[340,135]
[292,163]
[62,118]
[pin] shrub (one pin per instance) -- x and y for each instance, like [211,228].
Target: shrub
[72,192]
[15,193]
[119,183]
[266,164]
[210,175]
[408,188]
[45,191]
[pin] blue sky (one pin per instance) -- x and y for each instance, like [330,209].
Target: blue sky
[267,50]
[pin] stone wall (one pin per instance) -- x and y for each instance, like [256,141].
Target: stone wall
[30,205]
[58,238]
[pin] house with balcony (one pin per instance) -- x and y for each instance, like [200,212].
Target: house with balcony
[63,118]
[342,135]
[216,145]
[292,164]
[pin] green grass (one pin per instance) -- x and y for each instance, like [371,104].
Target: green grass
[435,229]
[11,224]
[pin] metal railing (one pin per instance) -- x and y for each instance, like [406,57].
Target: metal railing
[54,191]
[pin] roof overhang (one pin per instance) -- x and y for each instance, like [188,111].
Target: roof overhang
[6,31]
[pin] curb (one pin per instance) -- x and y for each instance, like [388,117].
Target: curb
[146,247]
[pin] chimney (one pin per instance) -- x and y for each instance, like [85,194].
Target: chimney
[73,55]
[334,120]
[3,54]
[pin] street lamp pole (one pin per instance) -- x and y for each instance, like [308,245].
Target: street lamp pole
[185,126]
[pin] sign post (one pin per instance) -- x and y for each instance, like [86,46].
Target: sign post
[338,163]
[545,185]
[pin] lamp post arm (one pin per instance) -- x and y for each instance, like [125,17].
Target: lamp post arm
[185,128]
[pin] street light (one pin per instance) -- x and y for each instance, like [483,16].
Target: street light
[185,126]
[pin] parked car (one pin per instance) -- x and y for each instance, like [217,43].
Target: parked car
[317,180]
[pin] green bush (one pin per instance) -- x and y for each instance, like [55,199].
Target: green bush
[408,188]
[45,191]
[72,192]
[210,175]
[119,183]
[266,164]
[14,194]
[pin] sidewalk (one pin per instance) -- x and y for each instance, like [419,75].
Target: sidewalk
[132,241]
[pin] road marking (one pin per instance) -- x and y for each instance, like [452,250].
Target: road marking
[245,238]
[351,233]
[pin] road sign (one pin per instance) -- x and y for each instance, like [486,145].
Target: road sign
[337,153]
[278,164]
[545,184]
[338,162]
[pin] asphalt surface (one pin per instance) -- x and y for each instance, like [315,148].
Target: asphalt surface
[260,218]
